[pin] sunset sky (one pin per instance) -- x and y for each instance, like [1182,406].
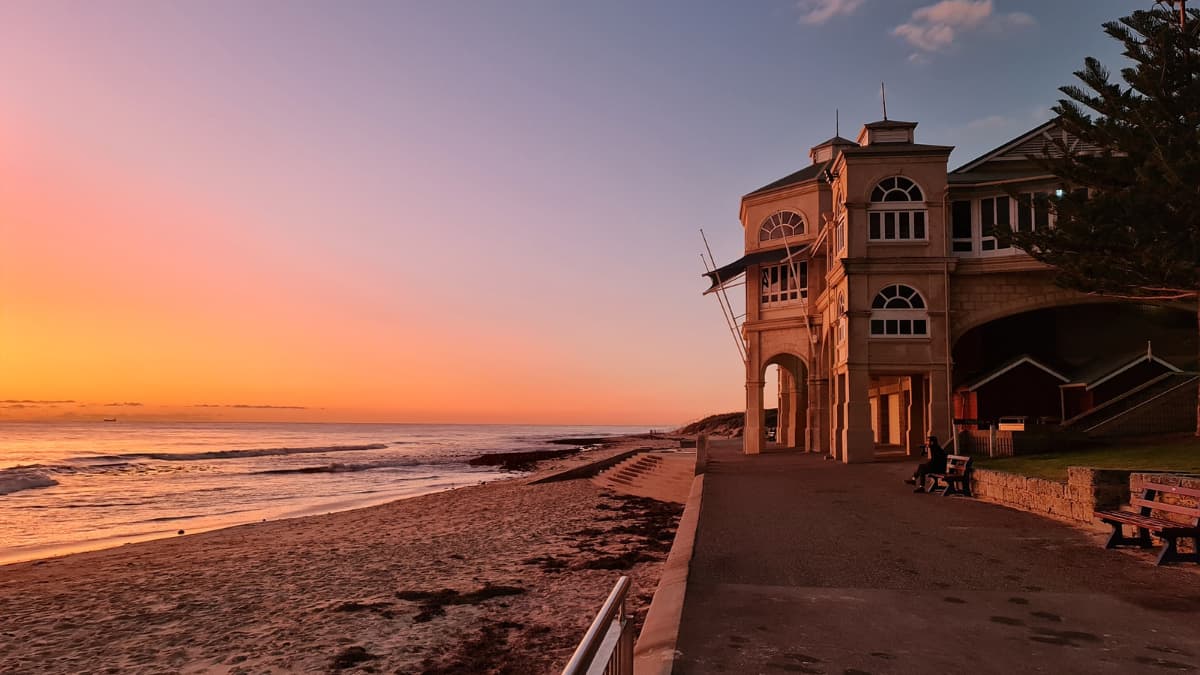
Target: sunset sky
[441,211]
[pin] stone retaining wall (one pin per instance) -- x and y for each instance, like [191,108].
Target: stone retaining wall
[1086,489]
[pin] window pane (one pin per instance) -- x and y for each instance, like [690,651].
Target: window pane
[905,327]
[961,247]
[891,328]
[876,327]
[919,327]
[889,226]
[1002,213]
[877,194]
[987,214]
[874,225]
[919,225]
[989,245]
[1025,213]
[960,215]
[1041,211]
[905,232]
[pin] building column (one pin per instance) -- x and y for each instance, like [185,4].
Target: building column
[798,415]
[783,411]
[916,414]
[818,416]
[752,436]
[839,415]
[858,439]
[939,407]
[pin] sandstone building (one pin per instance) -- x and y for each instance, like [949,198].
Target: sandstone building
[877,282]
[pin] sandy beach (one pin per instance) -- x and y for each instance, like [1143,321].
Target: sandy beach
[496,578]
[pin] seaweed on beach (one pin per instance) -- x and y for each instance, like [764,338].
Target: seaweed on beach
[619,561]
[500,648]
[381,608]
[433,603]
[350,657]
[548,563]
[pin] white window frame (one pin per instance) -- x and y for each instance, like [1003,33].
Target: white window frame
[878,213]
[778,286]
[776,223]
[901,316]
[977,240]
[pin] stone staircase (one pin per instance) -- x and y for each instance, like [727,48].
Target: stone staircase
[666,476]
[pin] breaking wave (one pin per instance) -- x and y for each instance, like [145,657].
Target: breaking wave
[237,454]
[24,478]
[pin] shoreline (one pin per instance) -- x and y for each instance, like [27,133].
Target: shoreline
[507,572]
[518,463]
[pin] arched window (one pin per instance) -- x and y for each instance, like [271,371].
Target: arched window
[899,310]
[897,211]
[780,225]
[897,189]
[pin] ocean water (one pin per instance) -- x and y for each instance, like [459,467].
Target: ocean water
[68,487]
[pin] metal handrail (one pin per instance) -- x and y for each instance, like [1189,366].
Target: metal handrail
[612,610]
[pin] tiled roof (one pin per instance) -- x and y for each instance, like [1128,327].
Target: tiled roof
[813,172]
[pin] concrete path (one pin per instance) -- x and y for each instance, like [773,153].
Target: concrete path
[805,565]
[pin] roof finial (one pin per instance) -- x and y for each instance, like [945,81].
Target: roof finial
[837,122]
[883,93]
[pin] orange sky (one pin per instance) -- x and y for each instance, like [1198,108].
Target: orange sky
[118,291]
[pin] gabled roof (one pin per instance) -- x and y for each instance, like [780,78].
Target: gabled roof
[808,173]
[1006,147]
[1007,366]
[836,140]
[1100,371]
[889,124]
[1030,144]
[898,149]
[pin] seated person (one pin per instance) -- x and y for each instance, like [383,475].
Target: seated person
[936,463]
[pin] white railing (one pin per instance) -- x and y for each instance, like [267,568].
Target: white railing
[607,647]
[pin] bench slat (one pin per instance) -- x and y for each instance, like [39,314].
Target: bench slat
[1173,489]
[1152,524]
[1192,511]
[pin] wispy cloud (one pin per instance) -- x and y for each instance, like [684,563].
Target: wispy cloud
[989,122]
[126,404]
[32,402]
[250,406]
[934,28]
[820,11]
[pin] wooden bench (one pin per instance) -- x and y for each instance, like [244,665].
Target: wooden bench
[957,477]
[1167,530]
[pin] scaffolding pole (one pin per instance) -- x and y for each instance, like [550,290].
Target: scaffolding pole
[723,299]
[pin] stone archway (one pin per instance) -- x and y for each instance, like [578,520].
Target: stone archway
[792,410]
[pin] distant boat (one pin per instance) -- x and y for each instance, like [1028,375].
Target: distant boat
[110,419]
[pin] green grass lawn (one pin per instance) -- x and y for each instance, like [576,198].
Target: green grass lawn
[1181,456]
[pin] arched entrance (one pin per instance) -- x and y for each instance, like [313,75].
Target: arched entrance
[790,380]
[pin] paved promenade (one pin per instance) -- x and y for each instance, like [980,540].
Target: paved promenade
[810,566]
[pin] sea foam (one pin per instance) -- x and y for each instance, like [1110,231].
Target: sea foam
[17,479]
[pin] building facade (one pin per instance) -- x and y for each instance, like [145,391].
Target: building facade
[877,281]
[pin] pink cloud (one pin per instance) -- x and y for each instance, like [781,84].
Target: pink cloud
[820,11]
[935,27]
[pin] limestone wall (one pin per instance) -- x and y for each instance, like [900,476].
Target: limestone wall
[1086,489]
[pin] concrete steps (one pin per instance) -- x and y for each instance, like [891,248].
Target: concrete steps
[666,476]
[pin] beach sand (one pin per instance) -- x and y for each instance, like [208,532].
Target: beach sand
[496,578]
